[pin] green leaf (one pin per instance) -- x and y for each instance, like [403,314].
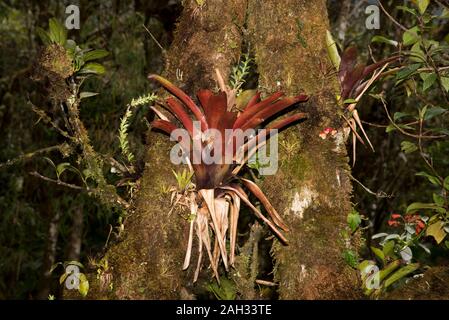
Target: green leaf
[93,67]
[407,9]
[410,36]
[422,112]
[434,180]
[87,94]
[428,80]
[439,200]
[390,128]
[61,168]
[408,147]
[436,230]
[445,83]
[348,101]
[58,33]
[415,206]
[73,262]
[388,248]
[364,264]
[422,5]
[379,253]
[53,267]
[381,39]
[385,272]
[95,54]
[434,112]
[63,277]
[354,220]
[83,288]
[407,71]
[332,50]
[50,161]
[417,54]
[446,183]
[441,130]
[401,273]
[399,115]
[43,35]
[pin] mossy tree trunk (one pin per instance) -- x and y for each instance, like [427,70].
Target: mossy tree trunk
[291,54]
[311,189]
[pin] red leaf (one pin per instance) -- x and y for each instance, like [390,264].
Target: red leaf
[254,188]
[253,101]
[271,110]
[250,110]
[181,95]
[177,109]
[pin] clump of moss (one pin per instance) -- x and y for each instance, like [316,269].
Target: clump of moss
[56,59]
[54,66]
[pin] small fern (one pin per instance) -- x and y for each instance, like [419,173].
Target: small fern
[149,98]
[239,72]
[123,135]
[124,123]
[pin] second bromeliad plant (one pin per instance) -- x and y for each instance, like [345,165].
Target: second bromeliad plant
[215,202]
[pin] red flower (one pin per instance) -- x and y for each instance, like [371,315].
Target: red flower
[420,225]
[395,216]
[393,223]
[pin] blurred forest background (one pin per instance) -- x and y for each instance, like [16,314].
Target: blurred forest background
[44,222]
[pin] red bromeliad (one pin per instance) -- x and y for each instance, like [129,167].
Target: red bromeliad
[218,188]
[354,84]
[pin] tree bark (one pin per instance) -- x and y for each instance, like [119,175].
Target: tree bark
[147,263]
[49,255]
[76,234]
[311,189]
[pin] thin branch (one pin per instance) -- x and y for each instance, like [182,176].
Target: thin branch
[43,115]
[154,38]
[58,182]
[266,283]
[380,194]
[116,198]
[421,151]
[390,17]
[405,132]
[393,70]
[29,155]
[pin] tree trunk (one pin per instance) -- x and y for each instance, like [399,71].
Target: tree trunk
[76,234]
[311,188]
[49,255]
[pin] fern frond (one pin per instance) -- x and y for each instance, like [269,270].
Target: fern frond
[239,72]
[123,135]
[125,122]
